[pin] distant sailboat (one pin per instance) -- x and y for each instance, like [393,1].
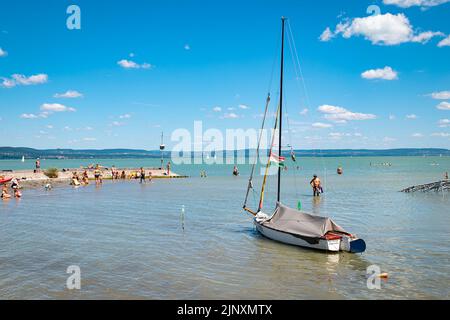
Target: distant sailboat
[288,225]
[23,158]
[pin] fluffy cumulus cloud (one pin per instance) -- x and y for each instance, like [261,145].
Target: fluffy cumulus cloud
[444,123]
[415,3]
[69,94]
[22,80]
[411,116]
[444,42]
[383,29]
[443,105]
[125,116]
[326,35]
[3,53]
[129,64]
[217,109]
[387,73]
[321,125]
[230,115]
[342,115]
[56,107]
[441,95]
[441,134]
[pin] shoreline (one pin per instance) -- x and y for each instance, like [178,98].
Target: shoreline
[32,179]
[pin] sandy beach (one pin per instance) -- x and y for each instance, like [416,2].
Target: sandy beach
[32,179]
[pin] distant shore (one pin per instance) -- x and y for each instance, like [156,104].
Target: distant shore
[33,179]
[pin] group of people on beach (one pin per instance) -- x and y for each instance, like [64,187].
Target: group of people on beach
[16,190]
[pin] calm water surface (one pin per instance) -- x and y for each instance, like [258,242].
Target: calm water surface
[132,240]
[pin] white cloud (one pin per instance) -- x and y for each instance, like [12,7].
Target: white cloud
[417,135]
[321,125]
[49,126]
[89,139]
[387,73]
[244,107]
[42,115]
[444,123]
[382,29]
[342,115]
[444,105]
[424,37]
[28,116]
[69,94]
[116,124]
[326,35]
[441,134]
[129,64]
[56,107]
[20,79]
[418,3]
[217,109]
[230,115]
[125,116]
[187,47]
[391,117]
[3,53]
[411,116]
[304,112]
[444,42]
[442,95]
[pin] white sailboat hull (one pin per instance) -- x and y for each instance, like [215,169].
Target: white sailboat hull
[323,244]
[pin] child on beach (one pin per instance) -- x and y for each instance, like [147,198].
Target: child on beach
[5,194]
[85,178]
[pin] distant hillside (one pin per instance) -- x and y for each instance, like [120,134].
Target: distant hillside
[17,153]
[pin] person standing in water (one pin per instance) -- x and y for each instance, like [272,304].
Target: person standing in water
[38,165]
[142,171]
[235,171]
[168,168]
[316,185]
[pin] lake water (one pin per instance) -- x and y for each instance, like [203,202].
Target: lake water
[133,241]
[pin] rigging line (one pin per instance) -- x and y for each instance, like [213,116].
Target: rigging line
[299,65]
[250,186]
[291,37]
[290,143]
[261,199]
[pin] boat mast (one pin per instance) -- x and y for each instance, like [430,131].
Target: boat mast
[283,19]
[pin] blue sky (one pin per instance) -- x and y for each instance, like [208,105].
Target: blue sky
[139,67]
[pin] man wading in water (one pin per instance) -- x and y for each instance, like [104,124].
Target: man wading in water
[316,185]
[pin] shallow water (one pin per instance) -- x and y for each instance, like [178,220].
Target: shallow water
[132,240]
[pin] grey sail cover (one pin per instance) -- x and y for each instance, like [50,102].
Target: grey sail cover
[296,222]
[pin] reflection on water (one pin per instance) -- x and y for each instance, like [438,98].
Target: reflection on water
[135,241]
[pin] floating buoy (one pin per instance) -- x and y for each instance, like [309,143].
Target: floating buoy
[383,275]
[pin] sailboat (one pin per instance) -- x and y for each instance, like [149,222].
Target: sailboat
[23,158]
[287,225]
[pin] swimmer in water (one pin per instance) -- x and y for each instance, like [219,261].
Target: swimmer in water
[316,185]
